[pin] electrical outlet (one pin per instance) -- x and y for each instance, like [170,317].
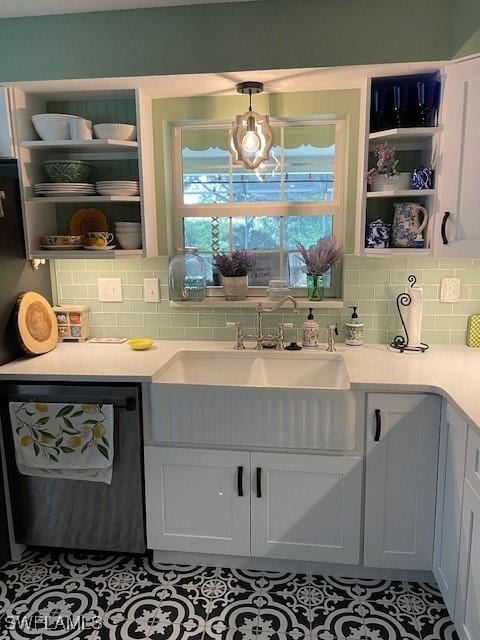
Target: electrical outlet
[110,289]
[450,290]
[150,290]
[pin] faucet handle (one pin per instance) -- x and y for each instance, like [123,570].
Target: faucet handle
[239,346]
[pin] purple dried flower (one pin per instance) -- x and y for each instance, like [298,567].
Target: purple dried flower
[237,263]
[386,162]
[321,256]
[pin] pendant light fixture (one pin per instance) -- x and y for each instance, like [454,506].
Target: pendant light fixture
[251,137]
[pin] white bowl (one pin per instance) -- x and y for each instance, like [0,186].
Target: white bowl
[129,240]
[115,131]
[53,126]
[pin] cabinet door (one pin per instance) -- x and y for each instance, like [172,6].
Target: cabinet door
[451,474]
[6,138]
[457,172]
[401,477]
[306,507]
[467,611]
[195,502]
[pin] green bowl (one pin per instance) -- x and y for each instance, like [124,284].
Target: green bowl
[67,170]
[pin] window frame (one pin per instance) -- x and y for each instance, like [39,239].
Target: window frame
[335,207]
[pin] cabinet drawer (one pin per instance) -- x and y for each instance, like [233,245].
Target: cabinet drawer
[473,459]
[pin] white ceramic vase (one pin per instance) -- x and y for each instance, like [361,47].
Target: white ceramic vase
[235,287]
[398,182]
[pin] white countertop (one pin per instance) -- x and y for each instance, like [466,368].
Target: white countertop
[451,371]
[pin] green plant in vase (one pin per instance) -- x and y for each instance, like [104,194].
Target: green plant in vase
[318,259]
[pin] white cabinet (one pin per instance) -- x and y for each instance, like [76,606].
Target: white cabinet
[457,173]
[401,476]
[297,507]
[111,159]
[194,500]
[306,507]
[467,611]
[467,608]
[7,149]
[451,474]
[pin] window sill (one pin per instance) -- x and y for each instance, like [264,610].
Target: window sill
[217,302]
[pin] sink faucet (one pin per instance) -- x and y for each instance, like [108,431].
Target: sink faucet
[259,338]
[332,331]
[278,339]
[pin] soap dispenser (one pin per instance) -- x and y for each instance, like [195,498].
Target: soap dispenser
[310,332]
[354,330]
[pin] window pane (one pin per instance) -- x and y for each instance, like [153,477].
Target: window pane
[262,184]
[205,159]
[253,232]
[267,266]
[296,275]
[307,229]
[309,157]
[207,234]
[308,154]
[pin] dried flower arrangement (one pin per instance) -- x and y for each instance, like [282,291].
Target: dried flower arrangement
[386,162]
[320,257]
[237,263]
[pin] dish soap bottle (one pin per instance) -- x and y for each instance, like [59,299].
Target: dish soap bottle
[354,330]
[310,332]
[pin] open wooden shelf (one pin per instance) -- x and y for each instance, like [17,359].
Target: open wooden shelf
[404,193]
[86,199]
[408,134]
[97,145]
[398,252]
[82,254]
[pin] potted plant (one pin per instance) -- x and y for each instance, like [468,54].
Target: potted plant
[385,176]
[234,268]
[318,259]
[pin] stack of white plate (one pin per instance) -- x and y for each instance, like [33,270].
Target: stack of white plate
[67,189]
[118,187]
[129,234]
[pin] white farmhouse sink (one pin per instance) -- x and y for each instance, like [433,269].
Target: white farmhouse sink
[254,399]
[256,369]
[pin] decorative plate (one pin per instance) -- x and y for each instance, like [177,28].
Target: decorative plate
[85,220]
[36,323]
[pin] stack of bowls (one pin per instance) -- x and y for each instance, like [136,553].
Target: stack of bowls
[53,126]
[129,234]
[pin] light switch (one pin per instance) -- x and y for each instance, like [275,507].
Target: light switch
[450,290]
[110,290]
[150,290]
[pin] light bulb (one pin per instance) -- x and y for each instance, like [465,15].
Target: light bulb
[251,142]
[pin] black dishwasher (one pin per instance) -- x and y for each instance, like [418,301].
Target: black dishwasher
[75,514]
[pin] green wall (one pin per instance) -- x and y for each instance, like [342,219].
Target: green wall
[465,21]
[267,34]
[343,103]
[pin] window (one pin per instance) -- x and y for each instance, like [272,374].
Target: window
[296,196]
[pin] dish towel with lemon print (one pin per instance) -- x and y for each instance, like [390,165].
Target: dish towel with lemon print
[60,440]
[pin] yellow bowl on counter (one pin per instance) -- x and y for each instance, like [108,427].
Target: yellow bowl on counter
[141,344]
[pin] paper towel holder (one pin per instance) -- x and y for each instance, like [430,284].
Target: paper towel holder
[400,343]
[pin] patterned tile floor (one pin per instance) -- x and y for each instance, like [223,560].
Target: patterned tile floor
[98,597]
